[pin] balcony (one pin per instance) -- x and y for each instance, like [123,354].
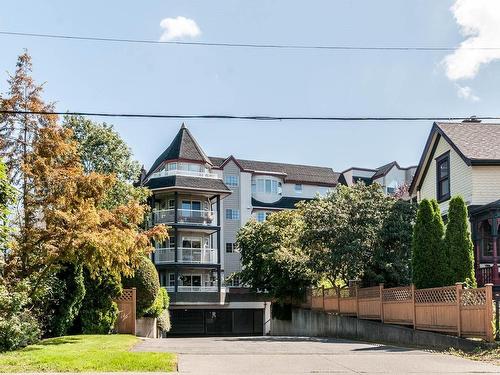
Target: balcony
[178,172]
[191,217]
[186,255]
[193,289]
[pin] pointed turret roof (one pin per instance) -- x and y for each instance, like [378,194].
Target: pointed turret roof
[185,147]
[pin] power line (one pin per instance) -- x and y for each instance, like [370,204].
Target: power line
[251,117]
[243,45]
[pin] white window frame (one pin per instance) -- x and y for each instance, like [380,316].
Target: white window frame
[298,188]
[232,180]
[235,214]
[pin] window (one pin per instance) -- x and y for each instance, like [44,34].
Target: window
[232,214]
[231,181]
[261,216]
[391,190]
[191,280]
[230,247]
[233,281]
[268,186]
[443,177]
[171,279]
[171,204]
[298,188]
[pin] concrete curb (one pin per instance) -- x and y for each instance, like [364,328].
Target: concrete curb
[321,324]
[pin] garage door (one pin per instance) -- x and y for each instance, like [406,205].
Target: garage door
[216,322]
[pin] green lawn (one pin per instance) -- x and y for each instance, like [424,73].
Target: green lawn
[100,353]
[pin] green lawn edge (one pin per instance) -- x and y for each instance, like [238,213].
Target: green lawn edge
[86,353]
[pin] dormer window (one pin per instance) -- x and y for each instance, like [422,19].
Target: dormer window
[443,177]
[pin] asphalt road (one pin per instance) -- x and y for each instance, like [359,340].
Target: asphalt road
[296,355]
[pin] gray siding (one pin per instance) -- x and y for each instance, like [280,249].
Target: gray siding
[231,227]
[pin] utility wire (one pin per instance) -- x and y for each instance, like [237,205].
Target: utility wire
[251,117]
[243,45]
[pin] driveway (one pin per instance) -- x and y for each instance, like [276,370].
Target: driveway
[300,355]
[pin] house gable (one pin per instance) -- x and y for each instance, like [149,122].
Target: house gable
[460,173]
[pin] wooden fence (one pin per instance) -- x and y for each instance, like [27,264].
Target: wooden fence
[453,310]
[126,316]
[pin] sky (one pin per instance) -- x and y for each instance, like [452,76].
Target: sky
[90,76]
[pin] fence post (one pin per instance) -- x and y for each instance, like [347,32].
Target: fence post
[381,286]
[357,301]
[489,313]
[323,294]
[133,311]
[458,289]
[337,288]
[414,308]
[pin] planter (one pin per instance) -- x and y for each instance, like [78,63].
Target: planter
[146,327]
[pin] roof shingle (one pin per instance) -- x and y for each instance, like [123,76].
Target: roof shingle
[197,183]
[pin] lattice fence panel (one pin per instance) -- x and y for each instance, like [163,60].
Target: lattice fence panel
[127,295]
[317,292]
[473,297]
[399,294]
[436,295]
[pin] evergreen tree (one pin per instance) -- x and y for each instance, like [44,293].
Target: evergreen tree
[429,258]
[458,244]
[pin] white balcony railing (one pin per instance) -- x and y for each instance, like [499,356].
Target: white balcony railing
[196,217]
[179,172]
[191,288]
[186,255]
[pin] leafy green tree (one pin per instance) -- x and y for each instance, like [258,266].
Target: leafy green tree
[429,256]
[7,197]
[341,230]
[272,256]
[458,243]
[391,261]
[102,150]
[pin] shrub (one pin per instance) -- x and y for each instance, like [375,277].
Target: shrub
[429,258]
[98,312]
[163,321]
[18,326]
[69,304]
[147,284]
[160,304]
[458,243]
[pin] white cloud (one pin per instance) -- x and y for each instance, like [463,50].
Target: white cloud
[479,22]
[178,28]
[465,92]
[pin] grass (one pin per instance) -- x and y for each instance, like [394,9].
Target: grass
[99,353]
[491,354]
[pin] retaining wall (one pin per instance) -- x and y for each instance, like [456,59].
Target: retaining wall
[321,324]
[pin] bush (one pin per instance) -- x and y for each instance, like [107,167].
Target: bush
[459,247]
[147,284]
[163,321]
[429,263]
[68,306]
[160,304]
[99,312]
[18,326]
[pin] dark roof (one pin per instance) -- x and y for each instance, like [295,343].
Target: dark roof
[306,174]
[197,183]
[475,140]
[383,170]
[184,146]
[495,205]
[477,143]
[284,202]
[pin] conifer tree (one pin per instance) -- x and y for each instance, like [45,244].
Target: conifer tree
[458,243]
[429,258]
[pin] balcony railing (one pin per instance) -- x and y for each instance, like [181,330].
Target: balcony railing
[196,217]
[191,288]
[178,172]
[186,255]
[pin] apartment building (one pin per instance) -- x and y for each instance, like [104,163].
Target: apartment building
[390,176]
[205,200]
